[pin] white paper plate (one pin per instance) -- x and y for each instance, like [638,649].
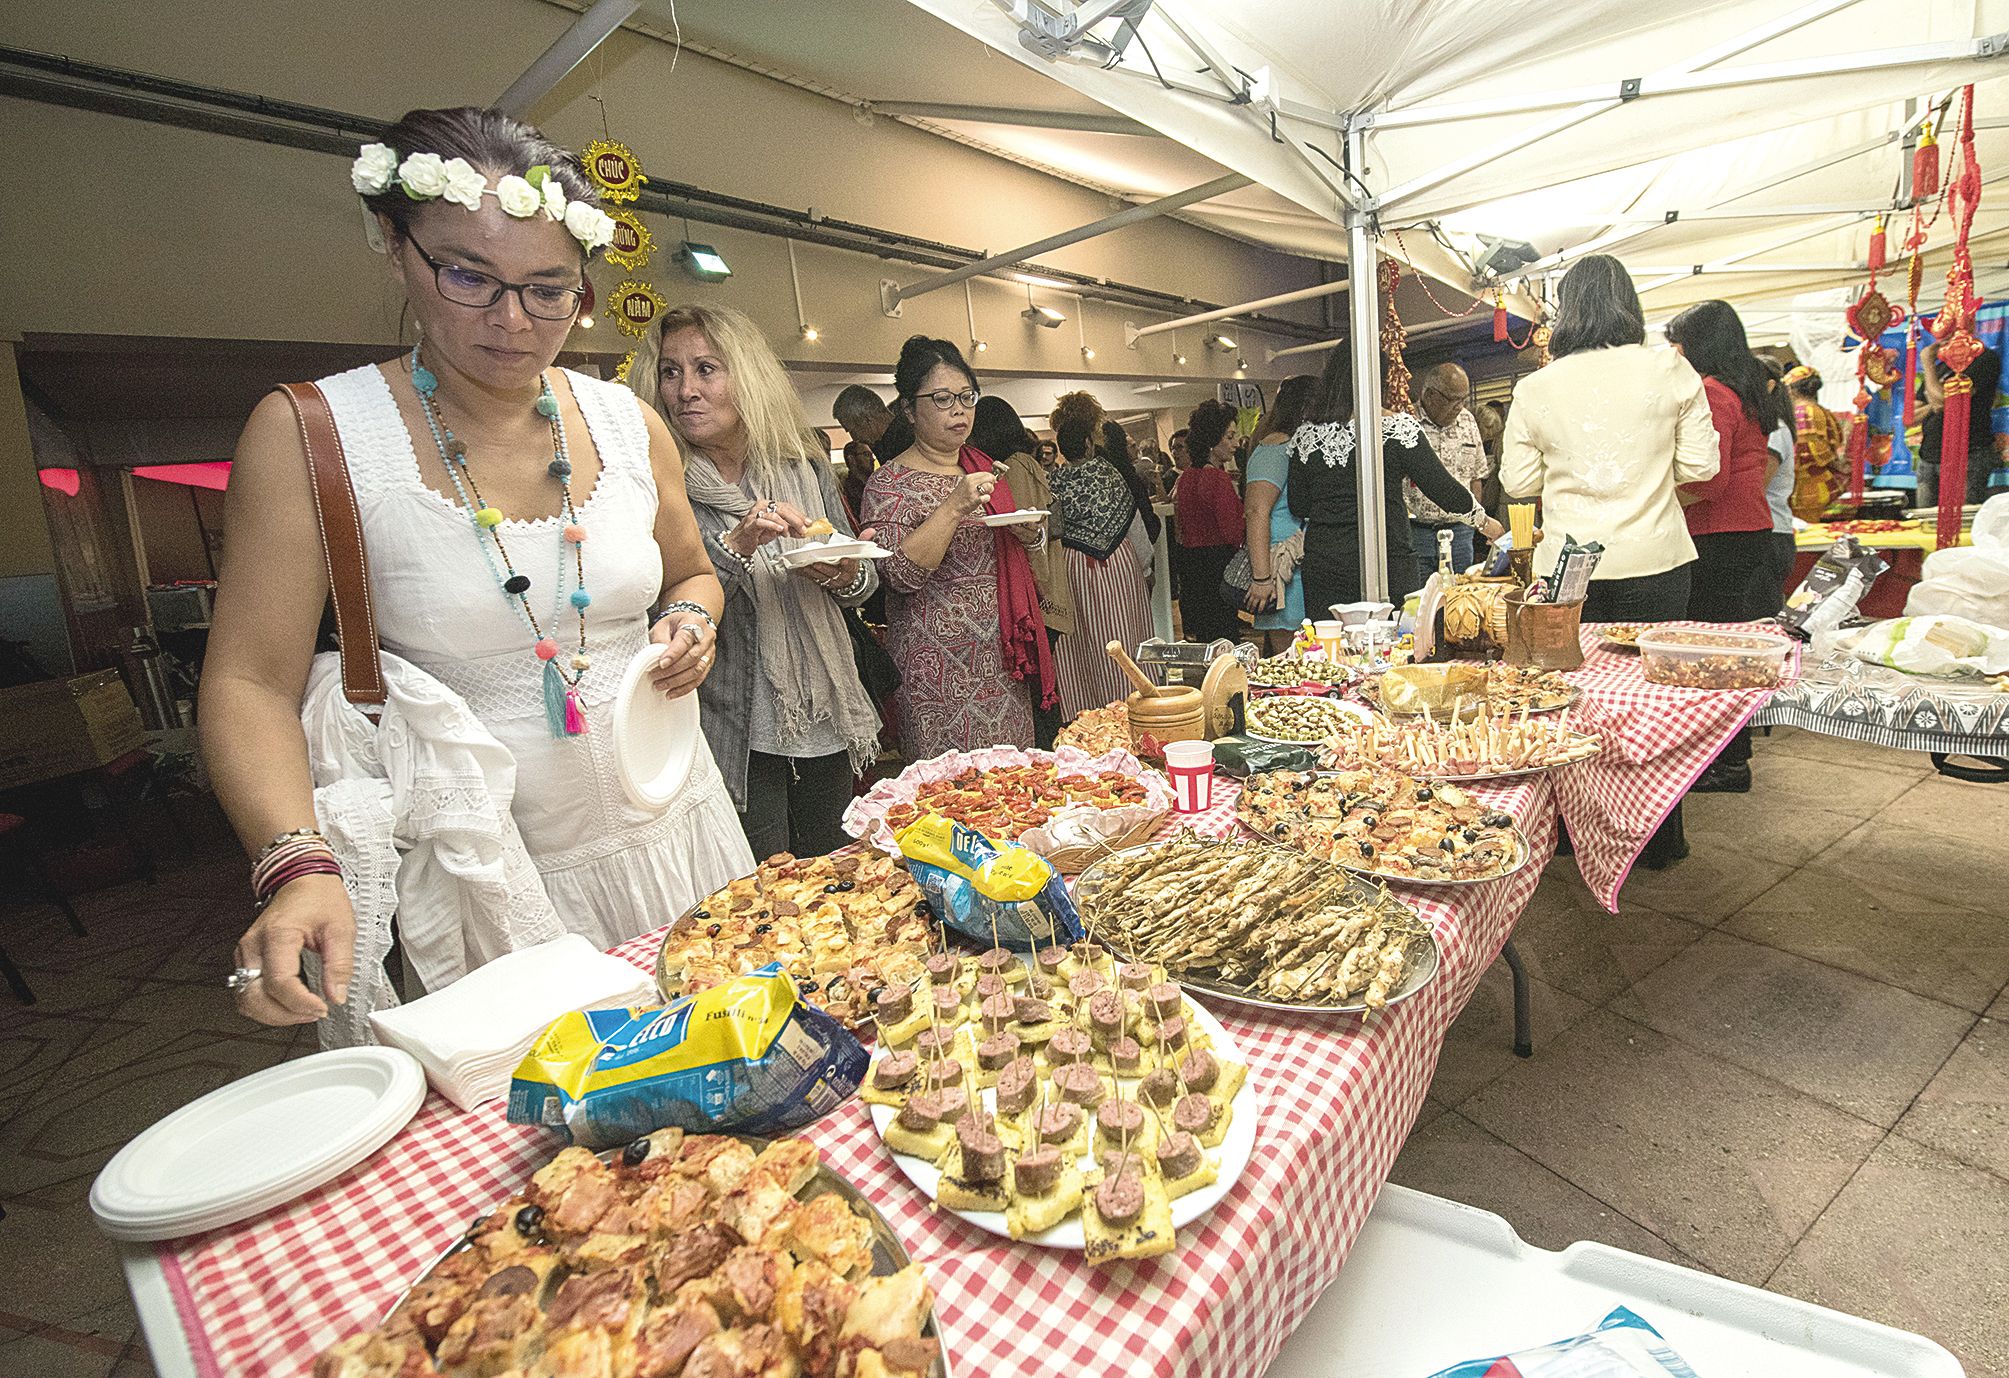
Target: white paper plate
[655,738]
[257,1143]
[832,550]
[1234,1151]
[1017,517]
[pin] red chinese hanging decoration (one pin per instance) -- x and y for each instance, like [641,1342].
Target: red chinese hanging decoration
[1955,329]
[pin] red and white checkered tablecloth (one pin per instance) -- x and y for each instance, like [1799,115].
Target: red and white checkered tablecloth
[1334,1098]
[1657,740]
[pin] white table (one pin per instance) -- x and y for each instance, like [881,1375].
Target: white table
[1431,1283]
[166,1341]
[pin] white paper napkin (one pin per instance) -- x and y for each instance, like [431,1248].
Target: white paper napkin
[471,1036]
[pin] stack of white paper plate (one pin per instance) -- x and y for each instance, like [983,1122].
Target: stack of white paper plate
[257,1143]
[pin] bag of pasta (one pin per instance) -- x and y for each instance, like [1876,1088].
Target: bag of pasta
[745,1057]
[993,892]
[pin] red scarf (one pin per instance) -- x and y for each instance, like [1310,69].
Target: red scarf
[1021,627]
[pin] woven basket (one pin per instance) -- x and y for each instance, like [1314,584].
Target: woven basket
[1072,861]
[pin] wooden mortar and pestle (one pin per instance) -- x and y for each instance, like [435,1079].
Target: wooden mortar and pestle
[1168,713]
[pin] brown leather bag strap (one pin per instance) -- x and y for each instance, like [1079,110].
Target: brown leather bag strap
[341,544]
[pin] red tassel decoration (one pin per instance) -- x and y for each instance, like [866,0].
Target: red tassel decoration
[1877,247]
[575,716]
[1911,375]
[1925,166]
[1499,319]
[1953,457]
[1858,452]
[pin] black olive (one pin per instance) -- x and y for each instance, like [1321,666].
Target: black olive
[808,987]
[701,913]
[713,930]
[1498,820]
[845,885]
[830,889]
[762,914]
[1423,793]
[760,928]
[633,1154]
[1471,834]
[1280,830]
[1367,849]
[1448,844]
[874,994]
[529,1220]
[1368,820]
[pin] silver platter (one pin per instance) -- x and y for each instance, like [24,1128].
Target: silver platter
[1522,853]
[1419,969]
[1370,694]
[889,1256]
[1441,777]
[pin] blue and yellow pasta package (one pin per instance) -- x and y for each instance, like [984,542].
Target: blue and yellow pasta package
[747,1057]
[982,888]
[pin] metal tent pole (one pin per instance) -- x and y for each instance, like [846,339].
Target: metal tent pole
[1364,311]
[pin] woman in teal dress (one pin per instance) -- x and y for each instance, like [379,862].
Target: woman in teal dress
[1275,535]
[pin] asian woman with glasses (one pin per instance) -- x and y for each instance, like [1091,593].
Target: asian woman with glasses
[962,608]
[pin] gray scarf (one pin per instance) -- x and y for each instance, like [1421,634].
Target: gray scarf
[803,644]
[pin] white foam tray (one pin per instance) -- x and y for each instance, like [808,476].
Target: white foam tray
[1431,1282]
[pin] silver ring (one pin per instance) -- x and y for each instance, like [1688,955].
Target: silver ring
[692,628]
[242,979]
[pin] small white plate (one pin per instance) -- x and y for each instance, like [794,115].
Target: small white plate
[816,553]
[655,738]
[1017,517]
[1234,1152]
[257,1143]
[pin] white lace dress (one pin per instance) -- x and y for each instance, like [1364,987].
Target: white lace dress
[612,870]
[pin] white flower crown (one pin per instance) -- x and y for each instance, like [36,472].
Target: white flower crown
[429,177]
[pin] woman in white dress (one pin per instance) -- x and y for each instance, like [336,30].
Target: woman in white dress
[480,473]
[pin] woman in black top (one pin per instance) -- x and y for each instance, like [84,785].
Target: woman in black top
[1324,492]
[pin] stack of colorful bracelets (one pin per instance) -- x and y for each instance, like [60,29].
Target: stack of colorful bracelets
[287,857]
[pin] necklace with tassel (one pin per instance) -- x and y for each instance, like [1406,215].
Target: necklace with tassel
[563,712]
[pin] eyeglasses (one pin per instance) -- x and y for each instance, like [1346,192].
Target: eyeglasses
[471,287]
[944,399]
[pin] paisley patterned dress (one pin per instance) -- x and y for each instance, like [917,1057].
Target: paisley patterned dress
[942,624]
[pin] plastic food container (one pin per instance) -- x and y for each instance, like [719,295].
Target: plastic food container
[1695,658]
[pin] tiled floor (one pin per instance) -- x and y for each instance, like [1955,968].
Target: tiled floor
[1786,1061]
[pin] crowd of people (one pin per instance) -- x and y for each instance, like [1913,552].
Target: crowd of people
[479,467]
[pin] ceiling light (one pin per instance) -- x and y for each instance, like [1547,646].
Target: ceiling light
[809,333]
[1241,365]
[1224,343]
[979,346]
[702,262]
[1044,315]
[1034,280]
[1088,354]
[1179,359]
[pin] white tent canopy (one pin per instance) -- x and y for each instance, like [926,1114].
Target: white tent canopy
[1737,149]
[1769,132]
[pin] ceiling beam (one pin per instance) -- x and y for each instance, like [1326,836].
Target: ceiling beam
[892,293]
[1029,119]
[1131,334]
[587,32]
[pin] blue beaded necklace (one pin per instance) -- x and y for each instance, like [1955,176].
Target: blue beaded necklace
[563,712]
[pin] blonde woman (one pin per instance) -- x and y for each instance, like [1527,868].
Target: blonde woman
[788,720]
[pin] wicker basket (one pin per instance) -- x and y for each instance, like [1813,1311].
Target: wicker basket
[1072,861]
